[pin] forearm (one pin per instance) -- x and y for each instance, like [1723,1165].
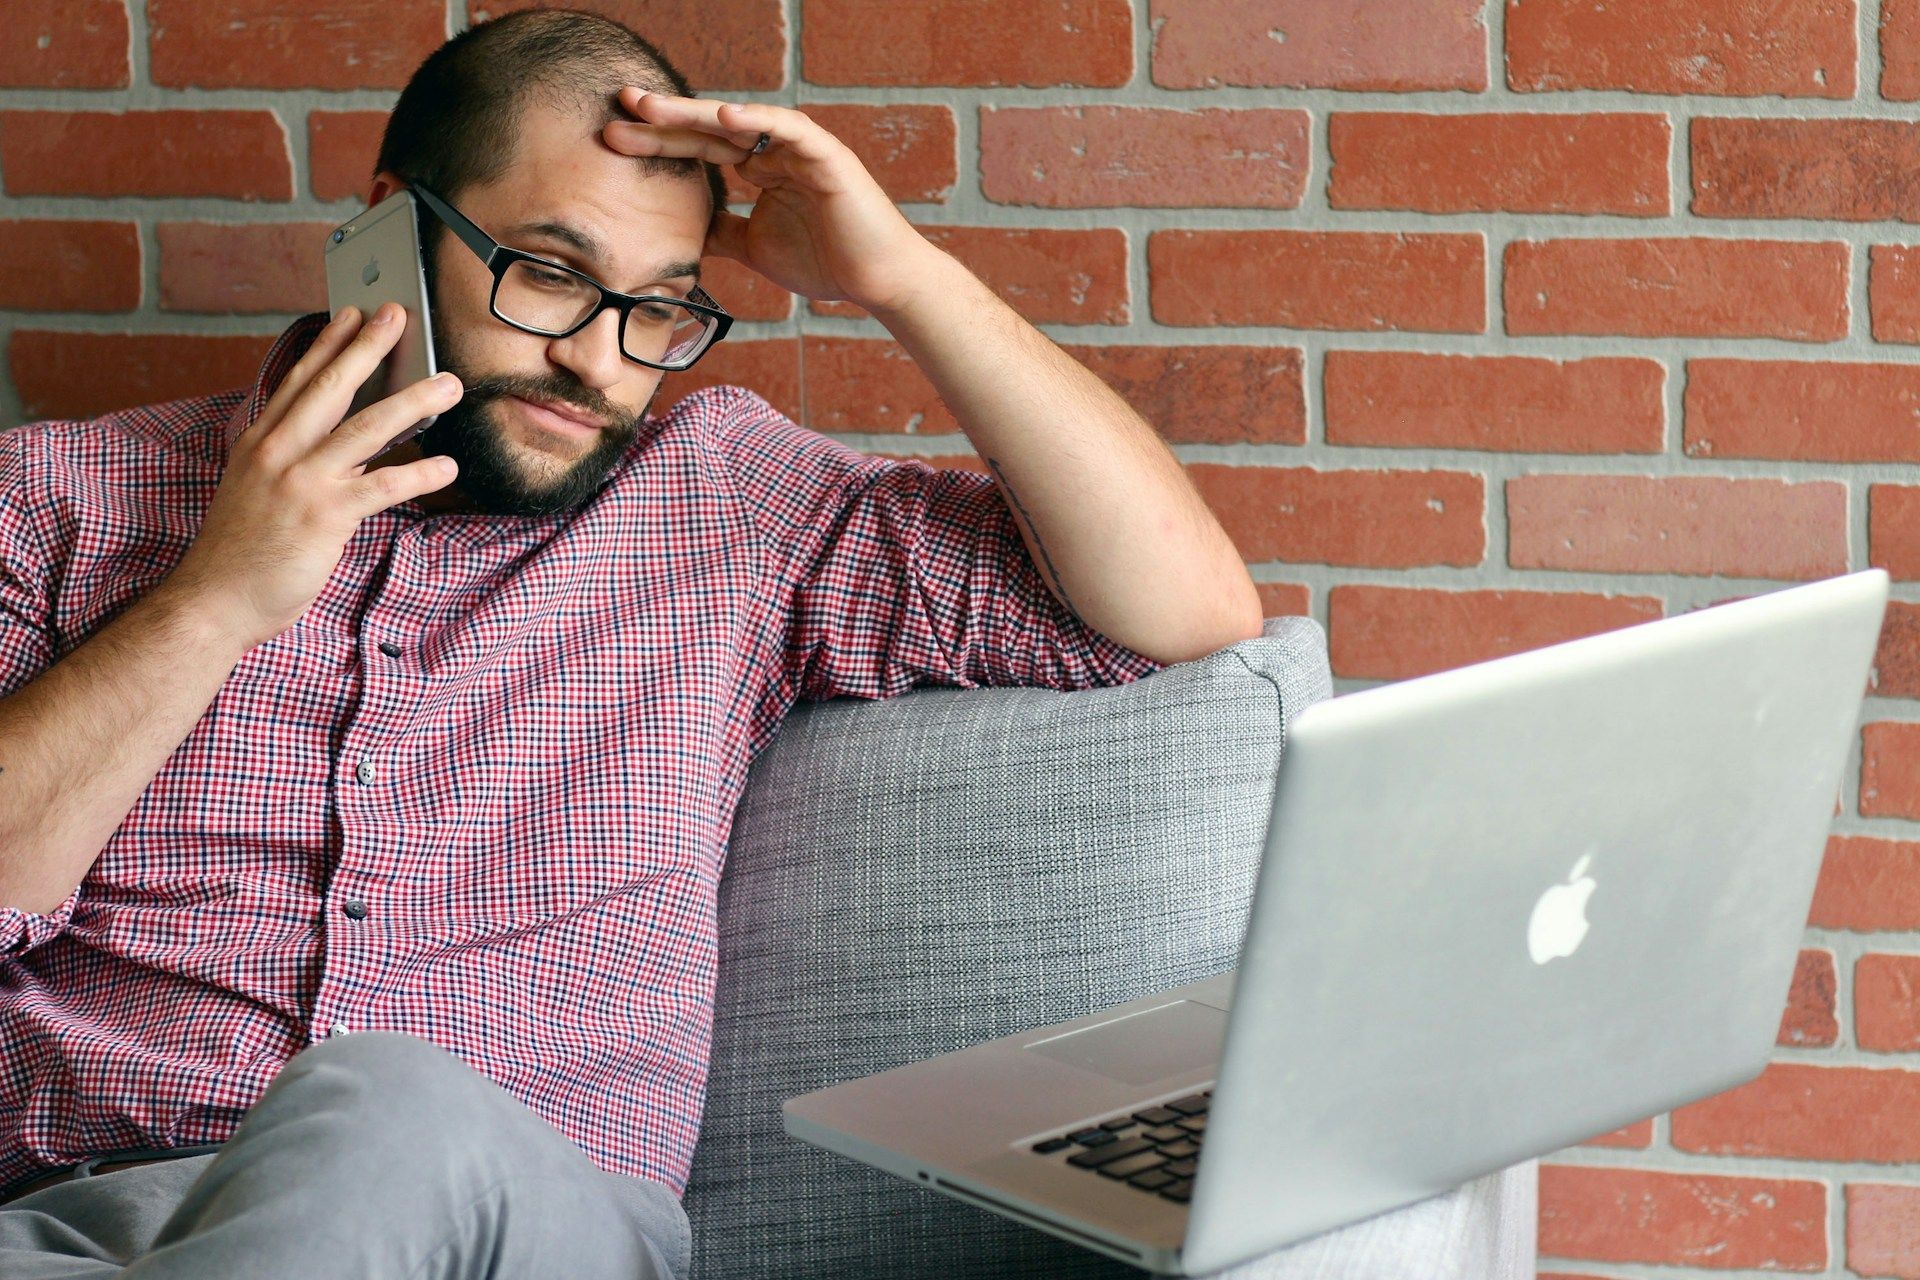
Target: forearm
[1109,517]
[81,742]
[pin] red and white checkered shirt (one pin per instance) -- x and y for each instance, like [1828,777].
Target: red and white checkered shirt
[481,790]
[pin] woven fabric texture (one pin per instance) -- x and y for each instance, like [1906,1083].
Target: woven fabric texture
[916,874]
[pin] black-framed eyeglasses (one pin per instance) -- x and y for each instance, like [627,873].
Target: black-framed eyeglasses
[539,295]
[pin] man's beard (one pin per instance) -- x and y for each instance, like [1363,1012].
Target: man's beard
[473,434]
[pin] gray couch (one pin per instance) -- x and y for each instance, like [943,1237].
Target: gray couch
[912,875]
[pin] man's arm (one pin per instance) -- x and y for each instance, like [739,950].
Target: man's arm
[1109,517]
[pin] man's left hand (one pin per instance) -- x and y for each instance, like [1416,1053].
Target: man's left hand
[822,227]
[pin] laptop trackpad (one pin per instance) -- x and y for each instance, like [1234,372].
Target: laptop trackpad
[1143,1047]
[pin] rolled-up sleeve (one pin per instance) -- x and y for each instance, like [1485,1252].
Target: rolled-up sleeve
[26,648]
[897,573]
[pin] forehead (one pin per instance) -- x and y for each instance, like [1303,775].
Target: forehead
[563,173]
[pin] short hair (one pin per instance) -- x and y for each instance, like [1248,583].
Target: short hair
[456,124]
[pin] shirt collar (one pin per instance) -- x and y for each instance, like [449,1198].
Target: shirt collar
[281,357]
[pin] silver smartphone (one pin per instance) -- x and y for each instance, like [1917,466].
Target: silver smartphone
[375,258]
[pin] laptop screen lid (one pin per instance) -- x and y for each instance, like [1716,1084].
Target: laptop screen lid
[1418,1002]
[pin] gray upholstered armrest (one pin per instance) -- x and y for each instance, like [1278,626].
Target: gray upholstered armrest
[916,874]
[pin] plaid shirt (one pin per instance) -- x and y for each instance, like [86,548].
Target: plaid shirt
[481,790]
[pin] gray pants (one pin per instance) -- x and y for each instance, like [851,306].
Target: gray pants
[376,1156]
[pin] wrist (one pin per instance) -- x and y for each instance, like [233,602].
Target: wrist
[199,618]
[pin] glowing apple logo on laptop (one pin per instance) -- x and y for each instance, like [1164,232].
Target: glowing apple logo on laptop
[1559,921]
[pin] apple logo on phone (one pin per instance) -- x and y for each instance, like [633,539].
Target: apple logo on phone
[1559,920]
[370,272]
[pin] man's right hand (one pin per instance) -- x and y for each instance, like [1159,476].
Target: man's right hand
[296,485]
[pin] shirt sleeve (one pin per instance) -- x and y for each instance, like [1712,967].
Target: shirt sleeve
[26,649]
[897,573]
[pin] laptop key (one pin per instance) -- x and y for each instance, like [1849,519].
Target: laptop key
[1163,1133]
[1179,1168]
[1132,1164]
[1181,1190]
[1091,1137]
[1115,1126]
[1192,1124]
[1191,1105]
[1156,1115]
[1151,1180]
[1052,1144]
[1094,1157]
[1178,1150]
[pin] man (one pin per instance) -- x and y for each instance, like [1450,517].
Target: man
[360,824]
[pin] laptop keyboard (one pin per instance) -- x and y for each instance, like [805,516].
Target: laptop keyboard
[1155,1149]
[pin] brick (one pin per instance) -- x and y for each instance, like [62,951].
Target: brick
[269,44]
[1886,1003]
[1213,395]
[83,375]
[1376,519]
[1284,599]
[1614,163]
[1363,280]
[967,43]
[1900,50]
[1798,1111]
[342,148]
[1150,157]
[1639,1134]
[1049,275]
[1395,633]
[1394,45]
[741,44]
[1523,404]
[1868,885]
[770,366]
[1687,525]
[65,44]
[249,269]
[1893,530]
[1893,291]
[909,148]
[1728,48]
[1682,1219]
[1804,410]
[744,292]
[1849,170]
[1883,1230]
[1896,664]
[1810,1020]
[62,264]
[239,155]
[1889,770]
[1679,286]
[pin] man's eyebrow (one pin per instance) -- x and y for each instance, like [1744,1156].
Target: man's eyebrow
[591,249]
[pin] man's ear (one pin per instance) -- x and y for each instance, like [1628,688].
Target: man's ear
[385,183]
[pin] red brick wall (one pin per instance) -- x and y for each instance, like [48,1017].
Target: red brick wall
[1481,324]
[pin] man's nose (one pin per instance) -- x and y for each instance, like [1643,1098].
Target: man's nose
[593,354]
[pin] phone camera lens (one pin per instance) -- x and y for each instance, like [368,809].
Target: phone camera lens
[338,236]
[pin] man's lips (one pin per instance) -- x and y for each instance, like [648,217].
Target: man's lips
[565,412]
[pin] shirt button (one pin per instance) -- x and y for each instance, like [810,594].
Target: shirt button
[364,771]
[337,1029]
[389,648]
[355,909]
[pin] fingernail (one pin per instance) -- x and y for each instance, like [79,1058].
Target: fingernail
[446,379]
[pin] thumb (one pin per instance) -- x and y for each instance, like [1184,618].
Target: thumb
[727,237]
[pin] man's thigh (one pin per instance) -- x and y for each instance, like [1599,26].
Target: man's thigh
[382,1150]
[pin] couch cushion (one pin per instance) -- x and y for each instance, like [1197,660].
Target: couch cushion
[921,873]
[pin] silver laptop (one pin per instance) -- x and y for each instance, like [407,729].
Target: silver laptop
[1502,909]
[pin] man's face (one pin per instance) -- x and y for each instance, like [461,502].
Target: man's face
[513,459]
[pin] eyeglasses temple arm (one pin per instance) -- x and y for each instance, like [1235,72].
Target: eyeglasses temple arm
[472,236]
